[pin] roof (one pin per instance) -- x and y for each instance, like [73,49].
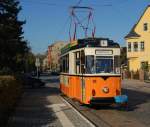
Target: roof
[88,42]
[57,43]
[132,32]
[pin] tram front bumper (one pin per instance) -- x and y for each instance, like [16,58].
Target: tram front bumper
[121,99]
[102,100]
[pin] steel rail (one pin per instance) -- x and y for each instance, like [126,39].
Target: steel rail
[101,121]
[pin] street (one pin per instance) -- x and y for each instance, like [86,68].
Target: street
[45,107]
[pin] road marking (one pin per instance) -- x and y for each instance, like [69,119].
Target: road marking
[91,124]
[61,115]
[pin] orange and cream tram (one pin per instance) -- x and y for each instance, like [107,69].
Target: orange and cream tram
[90,70]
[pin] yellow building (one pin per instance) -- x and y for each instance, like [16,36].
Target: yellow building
[138,43]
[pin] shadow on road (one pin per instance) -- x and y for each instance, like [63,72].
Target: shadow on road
[50,80]
[54,79]
[136,98]
[33,108]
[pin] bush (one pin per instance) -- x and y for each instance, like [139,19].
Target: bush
[10,90]
[5,71]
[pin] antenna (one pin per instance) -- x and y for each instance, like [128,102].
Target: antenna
[81,20]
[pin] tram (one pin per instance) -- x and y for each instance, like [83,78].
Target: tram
[90,71]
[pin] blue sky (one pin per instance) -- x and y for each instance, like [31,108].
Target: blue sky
[48,20]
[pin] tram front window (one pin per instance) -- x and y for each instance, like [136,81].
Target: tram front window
[90,68]
[99,64]
[104,66]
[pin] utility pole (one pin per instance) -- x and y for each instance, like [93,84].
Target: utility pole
[37,64]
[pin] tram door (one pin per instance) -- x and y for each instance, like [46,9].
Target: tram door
[82,75]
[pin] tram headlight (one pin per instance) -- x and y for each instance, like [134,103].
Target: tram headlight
[105,90]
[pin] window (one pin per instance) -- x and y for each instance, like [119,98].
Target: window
[67,63]
[145,26]
[77,62]
[90,68]
[129,46]
[135,46]
[142,46]
[99,65]
[64,65]
[104,64]
[61,65]
[117,64]
[144,65]
[82,62]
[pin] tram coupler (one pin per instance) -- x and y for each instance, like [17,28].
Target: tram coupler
[121,100]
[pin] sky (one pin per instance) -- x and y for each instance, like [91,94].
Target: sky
[48,21]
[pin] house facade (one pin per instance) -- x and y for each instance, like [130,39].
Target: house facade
[53,55]
[138,43]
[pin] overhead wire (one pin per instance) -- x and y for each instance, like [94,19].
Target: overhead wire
[79,2]
[62,28]
[47,3]
[62,5]
[43,3]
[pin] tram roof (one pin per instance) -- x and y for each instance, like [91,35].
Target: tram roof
[89,42]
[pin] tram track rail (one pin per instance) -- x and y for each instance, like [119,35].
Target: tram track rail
[88,113]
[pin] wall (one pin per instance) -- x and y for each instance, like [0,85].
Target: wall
[135,58]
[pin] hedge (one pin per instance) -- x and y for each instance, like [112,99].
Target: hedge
[10,90]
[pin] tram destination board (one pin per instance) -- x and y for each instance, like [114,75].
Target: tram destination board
[103,52]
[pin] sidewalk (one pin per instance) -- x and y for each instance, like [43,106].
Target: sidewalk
[136,85]
[45,108]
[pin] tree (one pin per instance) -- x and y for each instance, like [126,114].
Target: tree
[124,55]
[30,62]
[13,47]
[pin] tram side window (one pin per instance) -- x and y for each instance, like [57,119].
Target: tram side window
[67,63]
[82,62]
[77,70]
[90,68]
[64,68]
[61,65]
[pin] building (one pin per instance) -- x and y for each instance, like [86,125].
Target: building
[138,43]
[45,64]
[53,55]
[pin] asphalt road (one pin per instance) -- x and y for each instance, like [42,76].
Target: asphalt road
[138,114]
[44,107]
[36,105]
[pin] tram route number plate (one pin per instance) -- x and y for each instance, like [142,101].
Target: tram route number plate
[104,52]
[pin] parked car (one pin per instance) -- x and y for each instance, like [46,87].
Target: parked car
[32,82]
[33,73]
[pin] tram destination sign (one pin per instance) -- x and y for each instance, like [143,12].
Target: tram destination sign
[103,52]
